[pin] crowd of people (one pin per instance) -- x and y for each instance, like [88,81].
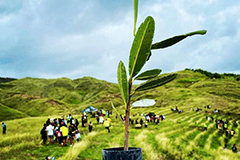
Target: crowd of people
[176,110]
[99,115]
[223,127]
[56,130]
[64,130]
[144,120]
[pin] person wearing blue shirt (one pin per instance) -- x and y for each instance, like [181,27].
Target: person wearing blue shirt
[70,117]
[234,148]
[4,127]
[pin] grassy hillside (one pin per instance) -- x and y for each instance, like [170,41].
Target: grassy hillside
[193,89]
[180,136]
[39,97]
[9,113]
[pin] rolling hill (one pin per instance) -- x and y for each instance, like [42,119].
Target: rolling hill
[25,104]
[43,97]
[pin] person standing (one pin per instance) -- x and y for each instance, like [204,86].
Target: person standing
[146,124]
[217,123]
[76,122]
[4,126]
[232,133]
[77,134]
[64,131]
[136,121]
[157,123]
[44,133]
[227,132]
[59,135]
[101,120]
[225,146]
[141,121]
[90,126]
[234,148]
[83,120]
[50,129]
[108,124]
[71,132]
[132,122]
[235,123]
[70,117]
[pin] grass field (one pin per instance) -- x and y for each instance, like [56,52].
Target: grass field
[25,104]
[179,136]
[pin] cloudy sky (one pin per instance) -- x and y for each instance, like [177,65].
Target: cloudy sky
[60,38]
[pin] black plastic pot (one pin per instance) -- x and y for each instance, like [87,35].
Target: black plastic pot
[120,154]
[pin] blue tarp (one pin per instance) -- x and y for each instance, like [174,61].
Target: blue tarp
[90,109]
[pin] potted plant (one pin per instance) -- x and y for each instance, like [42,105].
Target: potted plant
[140,53]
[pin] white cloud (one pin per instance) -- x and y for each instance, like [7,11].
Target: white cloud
[52,39]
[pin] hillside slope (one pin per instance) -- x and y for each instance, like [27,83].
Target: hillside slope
[37,97]
[9,113]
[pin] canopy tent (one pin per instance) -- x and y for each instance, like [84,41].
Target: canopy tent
[144,103]
[89,109]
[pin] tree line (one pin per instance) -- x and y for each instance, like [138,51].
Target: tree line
[216,75]
[6,79]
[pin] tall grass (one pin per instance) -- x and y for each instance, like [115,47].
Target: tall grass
[74,151]
[141,139]
[179,136]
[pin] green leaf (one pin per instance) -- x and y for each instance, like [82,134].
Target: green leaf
[149,55]
[173,40]
[141,46]
[157,82]
[135,3]
[122,82]
[148,74]
[116,112]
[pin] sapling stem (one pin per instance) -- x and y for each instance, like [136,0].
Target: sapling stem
[127,116]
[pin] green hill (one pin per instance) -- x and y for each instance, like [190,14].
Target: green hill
[179,136]
[191,88]
[9,113]
[38,97]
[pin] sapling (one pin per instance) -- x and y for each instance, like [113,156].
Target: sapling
[140,53]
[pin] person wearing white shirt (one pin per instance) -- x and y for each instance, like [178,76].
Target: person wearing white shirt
[101,120]
[50,129]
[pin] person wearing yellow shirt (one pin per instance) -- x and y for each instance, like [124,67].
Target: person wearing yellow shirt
[107,124]
[232,133]
[64,131]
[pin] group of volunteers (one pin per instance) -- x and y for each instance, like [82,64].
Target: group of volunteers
[144,121]
[220,124]
[63,129]
[56,130]
[223,127]
[176,110]
[229,133]
[100,118]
